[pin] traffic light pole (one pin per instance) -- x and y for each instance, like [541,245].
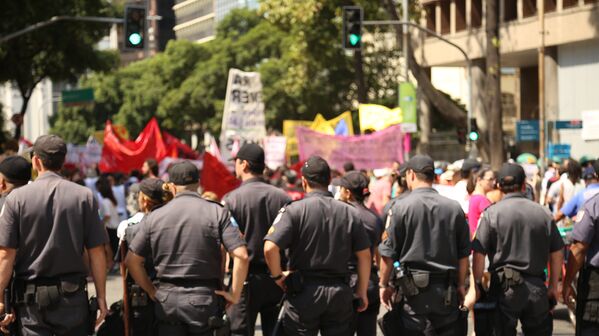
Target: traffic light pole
[433,33]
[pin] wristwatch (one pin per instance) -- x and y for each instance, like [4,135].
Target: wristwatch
[278,277]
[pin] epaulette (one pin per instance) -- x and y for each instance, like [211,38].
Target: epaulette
[284,207]
[215,202]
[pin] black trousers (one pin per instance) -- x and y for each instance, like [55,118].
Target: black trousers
[67,317]
[319,307]
[366,321]
[181,311]
[260,295]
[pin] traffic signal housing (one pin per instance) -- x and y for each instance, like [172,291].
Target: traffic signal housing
[352,27]
[135,27]
[473,135]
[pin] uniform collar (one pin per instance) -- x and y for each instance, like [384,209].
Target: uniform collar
[187,193]
[357,204]
[49,175]
[514,195]
[256,179]
[424,190]
[319,193]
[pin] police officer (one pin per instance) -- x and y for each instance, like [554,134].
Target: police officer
[429,237]
[184,240]
[321,234]
[354,190]
[584,256]
[520,237]
[15,172]
[254,205]
[44,228]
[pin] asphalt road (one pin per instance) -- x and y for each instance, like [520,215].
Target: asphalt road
[561,325]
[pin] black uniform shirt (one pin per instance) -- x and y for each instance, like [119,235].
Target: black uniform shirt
[518,233]
[321,233]
[49,222]
[372,224]
[586,229]
[254,205]
[427,232]
[184,236]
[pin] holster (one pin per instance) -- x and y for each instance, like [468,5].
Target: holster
[294,283]
[509,277]
[407,284]
[220,324]
[139,298]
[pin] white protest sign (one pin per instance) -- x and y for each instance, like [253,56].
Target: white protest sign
[274,151]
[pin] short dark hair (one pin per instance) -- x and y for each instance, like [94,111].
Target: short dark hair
[348,166]
[314,184]
[52,162]
[425,177]
[255,168]
[153,165]
[507,188]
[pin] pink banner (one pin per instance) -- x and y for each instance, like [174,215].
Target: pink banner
[371,151]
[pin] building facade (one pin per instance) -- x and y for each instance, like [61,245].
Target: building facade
[571,59]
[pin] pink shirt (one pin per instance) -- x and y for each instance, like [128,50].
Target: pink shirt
[478,204]
[380,191]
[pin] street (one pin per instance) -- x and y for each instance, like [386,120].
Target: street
[561,324]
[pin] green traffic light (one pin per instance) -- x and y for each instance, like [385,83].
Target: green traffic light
[354,39]
[473,136]
[135,39]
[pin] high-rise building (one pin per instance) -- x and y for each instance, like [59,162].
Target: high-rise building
[196,20]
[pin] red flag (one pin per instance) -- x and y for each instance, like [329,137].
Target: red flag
[216,177]
[176,148]
[120,155]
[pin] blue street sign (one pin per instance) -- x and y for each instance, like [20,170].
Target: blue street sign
[527,130]
[562,151]
[568,124]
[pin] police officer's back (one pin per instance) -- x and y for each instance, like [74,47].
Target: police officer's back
[354,190]
[429,237]
[184,239]
[321,234]
[254,205]
[520,238]
[44,228]
[584,257]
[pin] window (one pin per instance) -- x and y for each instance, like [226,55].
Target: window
[510,10]
[460,15]
[569,3]
[529,8]
[431,17]
[445,17]
[476,14]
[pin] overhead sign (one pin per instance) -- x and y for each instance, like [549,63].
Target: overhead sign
[77,97]
[590,125]
[568,124]
[527,130]
[243,116]
[563,151]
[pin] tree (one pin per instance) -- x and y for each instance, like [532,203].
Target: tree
[492,86]
[61,52]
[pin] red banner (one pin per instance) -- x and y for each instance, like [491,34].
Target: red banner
[120,155]
[216,177]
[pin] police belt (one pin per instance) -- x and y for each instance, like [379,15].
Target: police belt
[182,282]
[46,291]
[324,279]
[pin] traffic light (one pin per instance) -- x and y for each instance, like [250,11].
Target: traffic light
[135,27]
[352,27]
[473,135]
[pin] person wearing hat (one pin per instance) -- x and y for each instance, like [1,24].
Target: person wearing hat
[15,172]
[574,205]
[584,258]
[321,234]
[520,237]
[354,190]
[184,239]
[429,237]
[45,227]
[469,166]
[254,205]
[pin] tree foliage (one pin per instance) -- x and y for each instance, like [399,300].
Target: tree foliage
[61,51]
[298,53]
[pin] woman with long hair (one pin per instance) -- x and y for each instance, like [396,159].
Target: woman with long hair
[480,183]
[108,212]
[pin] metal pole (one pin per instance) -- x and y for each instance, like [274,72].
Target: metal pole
[406,18]
[542,139]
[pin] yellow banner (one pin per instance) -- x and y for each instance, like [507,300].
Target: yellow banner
[324,126]
[289,132]
[378,117]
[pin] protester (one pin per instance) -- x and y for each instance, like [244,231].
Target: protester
[150,169]
[481,183]
[109,214]
[380,190]
[469,166]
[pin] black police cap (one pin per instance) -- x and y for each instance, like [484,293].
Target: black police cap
[317,170]
[251,152]
[355,181]
[152,187]
[511,174]
[470,165]
[183,173]
[421,164]
[49,146]
[16,168]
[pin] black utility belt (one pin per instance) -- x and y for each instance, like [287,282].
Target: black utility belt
[182,282]
[47,291]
